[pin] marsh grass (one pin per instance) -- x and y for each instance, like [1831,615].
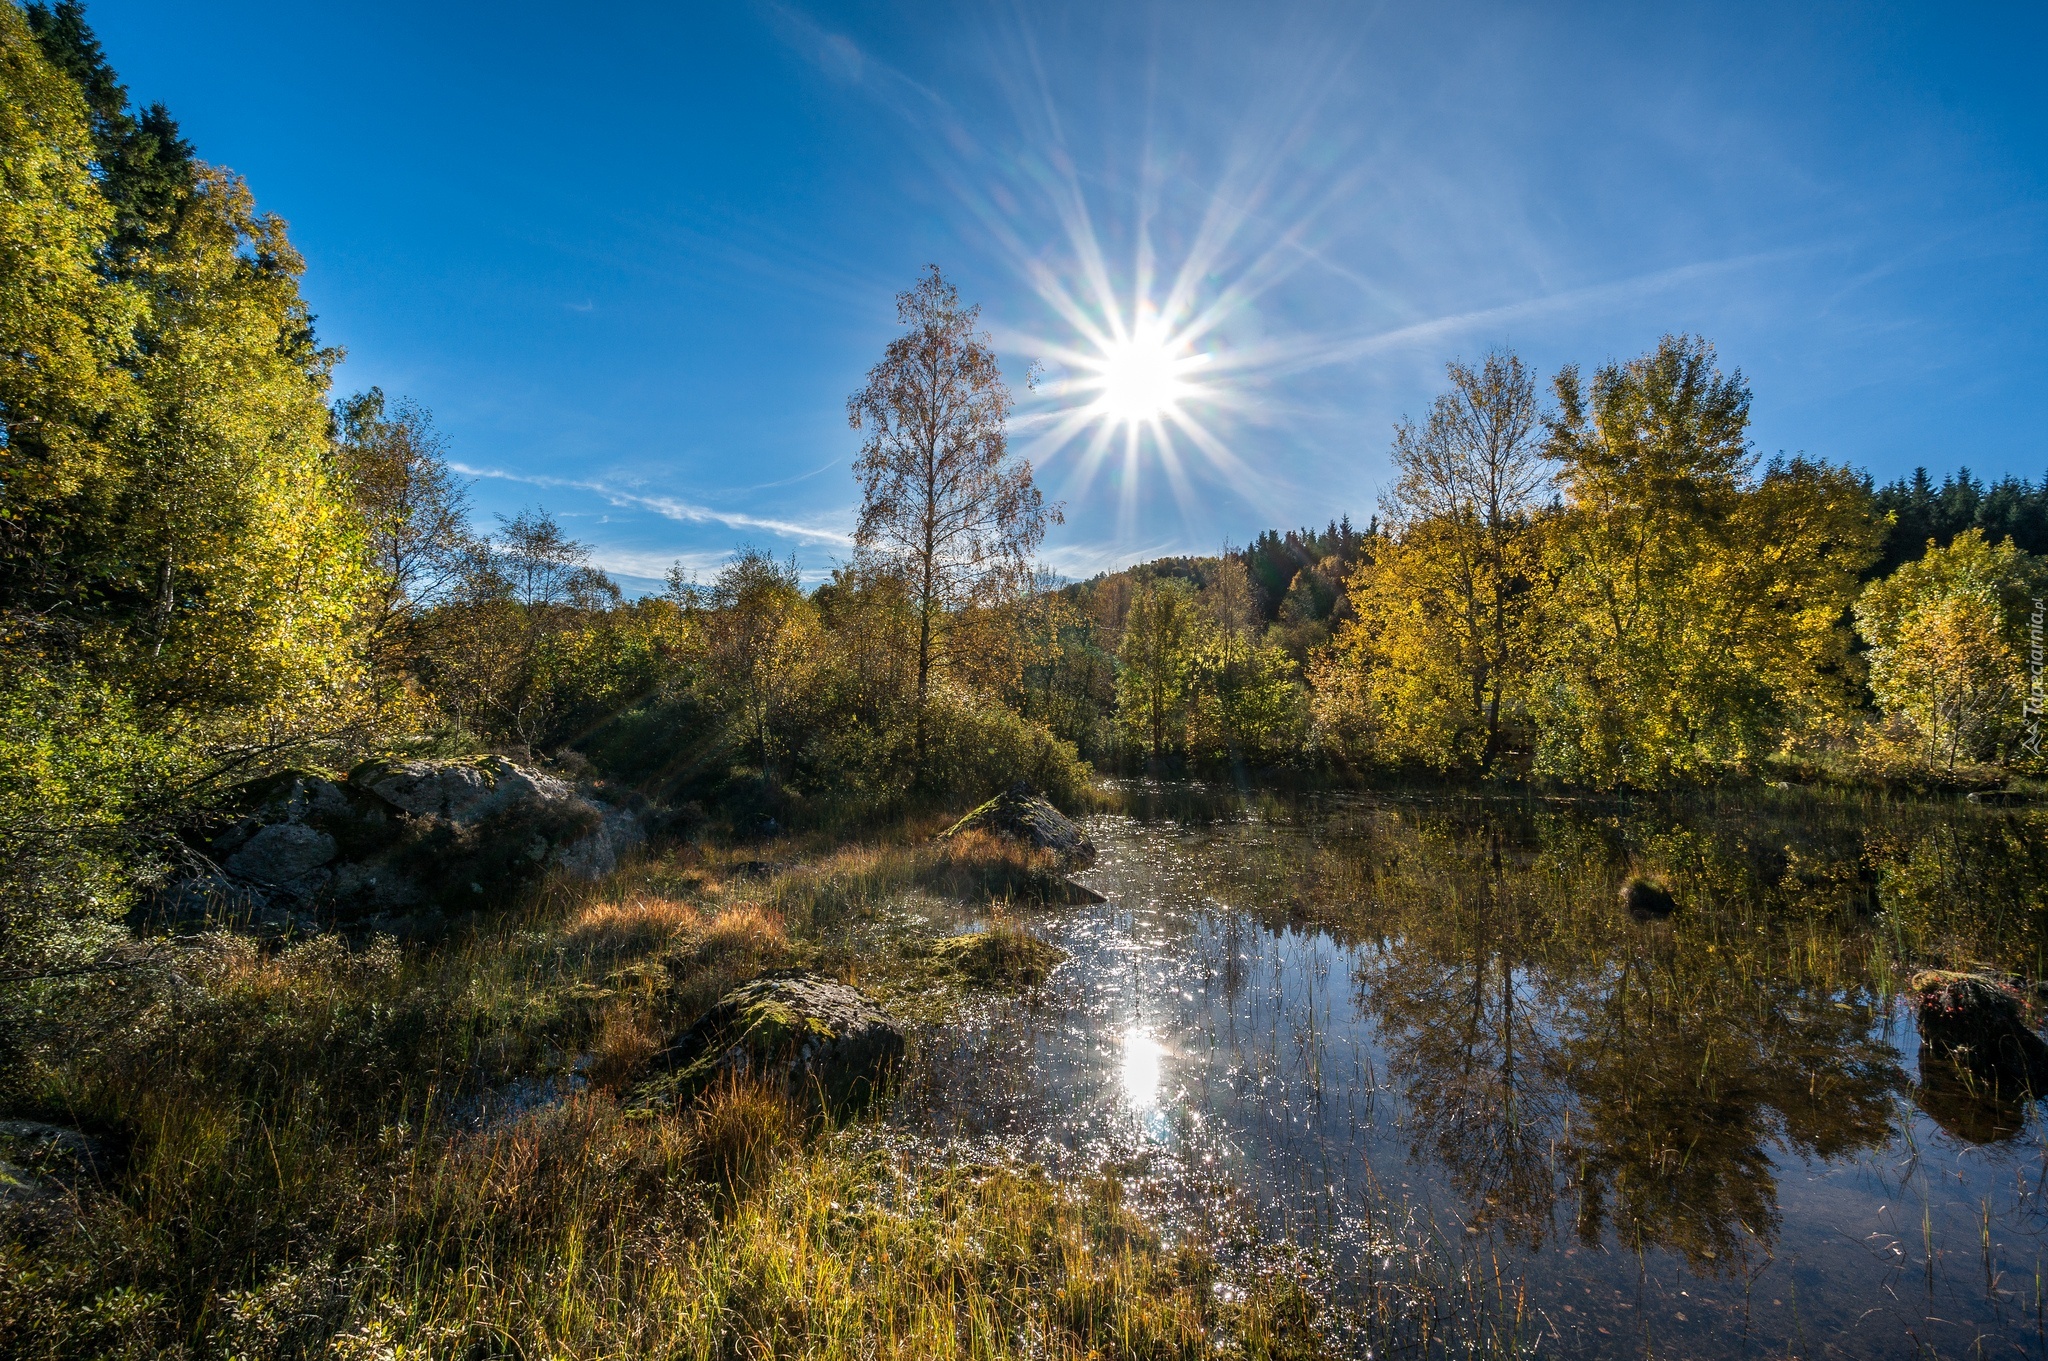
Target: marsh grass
[354,1149]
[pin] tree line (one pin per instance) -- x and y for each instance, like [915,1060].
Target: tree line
[1600,585]
[211,569]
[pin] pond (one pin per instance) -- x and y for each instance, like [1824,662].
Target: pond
[1421,1037]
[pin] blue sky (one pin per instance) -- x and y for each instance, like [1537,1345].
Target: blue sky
[634,258]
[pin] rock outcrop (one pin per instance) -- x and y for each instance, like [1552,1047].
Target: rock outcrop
[1979,1060]
[824,1042]
[41,1163]
[396,843]
[1020,814]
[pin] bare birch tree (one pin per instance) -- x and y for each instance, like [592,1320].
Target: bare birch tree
[942,501]
[1459,574]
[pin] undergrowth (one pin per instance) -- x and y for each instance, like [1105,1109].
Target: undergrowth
[336,1148]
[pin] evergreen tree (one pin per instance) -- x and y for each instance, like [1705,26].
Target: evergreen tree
[1921,512]
[146,170]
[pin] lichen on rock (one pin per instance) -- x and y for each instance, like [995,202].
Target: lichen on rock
[1020,814]
[824,1042]
[395,843]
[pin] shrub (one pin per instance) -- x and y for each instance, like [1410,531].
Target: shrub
[979,746]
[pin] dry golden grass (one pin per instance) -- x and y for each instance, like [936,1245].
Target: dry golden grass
[299,1176]
[627,1038]
[614,929]
[739,1132]
[743,931]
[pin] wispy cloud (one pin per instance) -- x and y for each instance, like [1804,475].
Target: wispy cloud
[647,566]
[1079,561]
[670,507]
[839,57]
[1592,297]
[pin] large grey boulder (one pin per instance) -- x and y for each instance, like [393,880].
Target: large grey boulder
[461,792]
[1020,814]
[282,853]
[397,843]
[825,1043]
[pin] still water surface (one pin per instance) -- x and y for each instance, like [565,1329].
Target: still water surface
[1423,1037]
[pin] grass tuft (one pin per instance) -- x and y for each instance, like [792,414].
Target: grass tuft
[1004,956]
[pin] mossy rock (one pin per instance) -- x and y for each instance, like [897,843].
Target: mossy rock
[1005,957]
[1020,814]
[1979,1060]
[824,1042]
[396,845]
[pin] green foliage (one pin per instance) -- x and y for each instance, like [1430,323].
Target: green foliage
[1159,630]
[169,518]
[65,330]
[79,784]
[1249,706]
[978,744]
[762,645]
[1919,510]
[1697,614]
[1946,636]
[233,560]
[180,573]
[146,170]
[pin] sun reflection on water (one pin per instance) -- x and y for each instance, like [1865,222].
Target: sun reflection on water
[1140,1072]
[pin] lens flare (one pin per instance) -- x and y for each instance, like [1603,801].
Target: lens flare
[1143,378]
[1141,374]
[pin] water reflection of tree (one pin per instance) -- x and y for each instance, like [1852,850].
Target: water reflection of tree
[1465,1043]
[1549,1048]
[1684,1072]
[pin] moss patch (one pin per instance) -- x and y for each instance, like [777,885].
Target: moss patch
[1004,956]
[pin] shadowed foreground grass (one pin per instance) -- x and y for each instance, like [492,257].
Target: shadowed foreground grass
[327,1150]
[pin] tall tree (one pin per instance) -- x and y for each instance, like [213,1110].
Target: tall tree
[178,569]
[942,500]
[1446,633]
[1700,609]
[170,520]
[415,520]
[65,332]
[146,169]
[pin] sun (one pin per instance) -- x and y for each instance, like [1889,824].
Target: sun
[1141,378]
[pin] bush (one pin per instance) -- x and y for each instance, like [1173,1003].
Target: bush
[976,747]
[78,784]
